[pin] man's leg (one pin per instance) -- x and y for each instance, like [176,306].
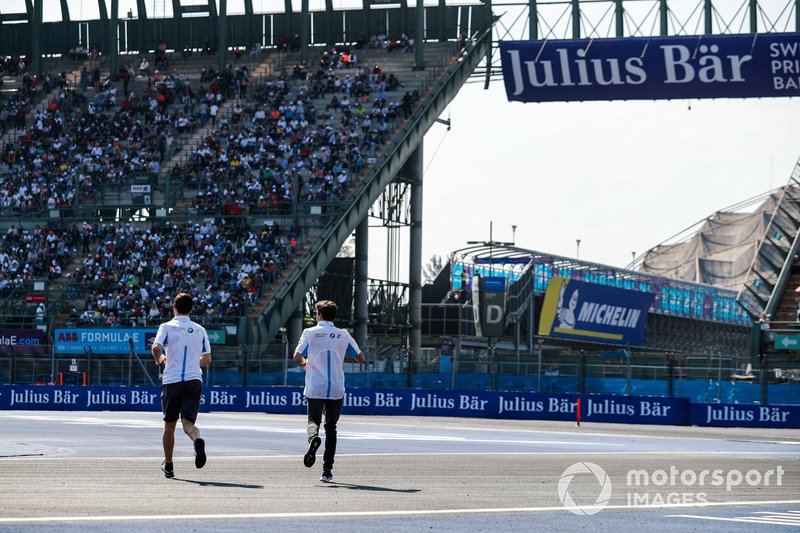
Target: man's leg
[190,406]
[333,408]
[312,430]
[190,429]
[314,417]
[199,444]
[168,440]
[170,407]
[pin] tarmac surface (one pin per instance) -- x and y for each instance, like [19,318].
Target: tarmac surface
[100,471]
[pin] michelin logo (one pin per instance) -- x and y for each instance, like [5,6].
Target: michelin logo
[609,315]
[566,315]
[594,312]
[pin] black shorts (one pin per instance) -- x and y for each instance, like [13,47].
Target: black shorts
[181,398]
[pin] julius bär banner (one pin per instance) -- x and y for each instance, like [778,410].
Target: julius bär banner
[404,402]
[743,415]
[416,402]
[583,311]
[652,68]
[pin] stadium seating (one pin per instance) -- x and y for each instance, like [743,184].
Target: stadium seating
[129,269]
[276,140]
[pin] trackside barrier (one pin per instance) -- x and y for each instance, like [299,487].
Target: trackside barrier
[417,402]
[750,416]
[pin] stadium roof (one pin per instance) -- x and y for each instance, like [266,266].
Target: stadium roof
[717,250]
[673,296]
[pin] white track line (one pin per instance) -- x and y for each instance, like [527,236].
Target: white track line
[741,519]
[755,454]
[356,420]
[363,514]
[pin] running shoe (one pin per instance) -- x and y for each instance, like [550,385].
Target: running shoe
[311,454]
[199,453]
[167,469]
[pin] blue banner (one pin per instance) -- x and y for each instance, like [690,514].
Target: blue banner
[652,68]
[27,341]
[416,402]
[111,341]
[738,415]
[583,311]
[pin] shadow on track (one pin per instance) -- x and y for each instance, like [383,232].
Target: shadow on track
[219,484]
[337,485]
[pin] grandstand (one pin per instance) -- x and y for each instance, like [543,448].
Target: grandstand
[228,184]
[239,176]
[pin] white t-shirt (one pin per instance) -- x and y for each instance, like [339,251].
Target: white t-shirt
[185,341]
[325,346]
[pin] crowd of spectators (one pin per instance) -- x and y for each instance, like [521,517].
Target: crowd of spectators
[13,65]
[137,130]
[301,137]
[15,106]
[85,140]
[81,53]
[130,274]
[403,44]
[25,255]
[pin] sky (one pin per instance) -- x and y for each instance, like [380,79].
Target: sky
[620,176]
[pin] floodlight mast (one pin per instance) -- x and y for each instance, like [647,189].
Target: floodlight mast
[492,341]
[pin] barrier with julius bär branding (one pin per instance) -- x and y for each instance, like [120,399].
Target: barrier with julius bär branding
[738,415]
[417,402]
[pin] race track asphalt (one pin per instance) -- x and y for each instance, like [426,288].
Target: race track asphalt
[100,471]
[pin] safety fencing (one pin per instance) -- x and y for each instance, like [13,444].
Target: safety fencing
[697,378]
[588,408]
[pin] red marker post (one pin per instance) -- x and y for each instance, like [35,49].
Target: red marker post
[578,412]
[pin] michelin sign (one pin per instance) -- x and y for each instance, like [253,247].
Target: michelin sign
[582,311]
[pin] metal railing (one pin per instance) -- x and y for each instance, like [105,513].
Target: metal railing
[452,366]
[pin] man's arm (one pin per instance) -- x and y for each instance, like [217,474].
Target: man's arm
[157,351]
[300,360]
[357,358]
[205,359]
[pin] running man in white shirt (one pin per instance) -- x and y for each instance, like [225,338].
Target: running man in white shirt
[187,349]
[321,352]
